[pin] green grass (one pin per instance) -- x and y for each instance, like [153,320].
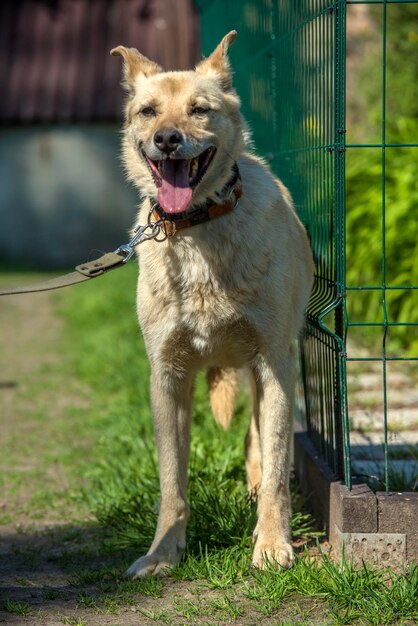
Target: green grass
[105,447]
[401,479]
[17,608]
[73,621]
[123,487]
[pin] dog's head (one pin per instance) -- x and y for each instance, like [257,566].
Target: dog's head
[183,130]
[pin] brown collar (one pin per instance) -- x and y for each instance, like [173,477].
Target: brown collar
[201,214]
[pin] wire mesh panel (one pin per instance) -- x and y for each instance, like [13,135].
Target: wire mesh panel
[381,304]
[310,159]
[290,71]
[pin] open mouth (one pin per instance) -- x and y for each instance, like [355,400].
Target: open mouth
[175,179]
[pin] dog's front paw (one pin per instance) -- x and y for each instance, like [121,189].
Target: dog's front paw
[161,556]
[149,565]
[272,552]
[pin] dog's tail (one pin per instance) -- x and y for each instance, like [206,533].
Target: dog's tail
[223,386]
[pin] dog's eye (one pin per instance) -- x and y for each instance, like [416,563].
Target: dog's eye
[200,110]
[148,112]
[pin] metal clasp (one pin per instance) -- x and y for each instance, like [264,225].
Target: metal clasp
[127,250]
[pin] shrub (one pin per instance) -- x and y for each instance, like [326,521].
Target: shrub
[370,231]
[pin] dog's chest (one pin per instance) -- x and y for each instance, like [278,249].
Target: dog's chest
[205,304]
[210,282]
[203,295]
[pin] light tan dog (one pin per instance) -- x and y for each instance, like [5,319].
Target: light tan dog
[220,294]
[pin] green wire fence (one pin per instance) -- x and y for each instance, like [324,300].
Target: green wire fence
[290,71]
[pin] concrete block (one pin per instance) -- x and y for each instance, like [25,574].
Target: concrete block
[398,512]
[384,549]
[353,511]
[314,477]
[379,528]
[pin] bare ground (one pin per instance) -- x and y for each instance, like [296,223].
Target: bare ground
[37,556]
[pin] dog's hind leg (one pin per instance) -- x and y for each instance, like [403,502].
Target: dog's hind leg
[171,404]
[253,446]
[275,385]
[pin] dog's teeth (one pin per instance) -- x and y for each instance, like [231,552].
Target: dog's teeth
[194,167]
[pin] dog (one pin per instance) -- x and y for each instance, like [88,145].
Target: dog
[225,291]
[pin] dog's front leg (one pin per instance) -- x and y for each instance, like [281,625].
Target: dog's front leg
[171,404]
[275,384]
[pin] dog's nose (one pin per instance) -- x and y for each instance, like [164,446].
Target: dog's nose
[167,140]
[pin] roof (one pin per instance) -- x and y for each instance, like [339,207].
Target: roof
[54,54]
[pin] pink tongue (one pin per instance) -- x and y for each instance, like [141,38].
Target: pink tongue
[175,193]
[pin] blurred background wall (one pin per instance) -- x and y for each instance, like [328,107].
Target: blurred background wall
[62,191]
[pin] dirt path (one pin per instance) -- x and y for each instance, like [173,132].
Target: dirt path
[45,539]
[34,398]
[30,330]
[37,538]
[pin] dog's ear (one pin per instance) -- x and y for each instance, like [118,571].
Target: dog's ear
[134,63]
[218,63]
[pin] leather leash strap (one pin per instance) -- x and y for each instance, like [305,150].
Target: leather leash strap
[85,271]
[112,260]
